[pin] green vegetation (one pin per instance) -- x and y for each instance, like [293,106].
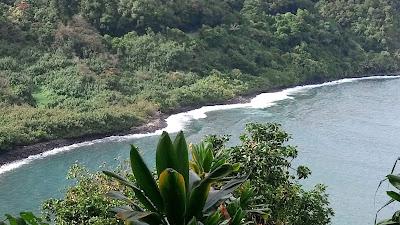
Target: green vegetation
[181,197]
[84,203]
[272,194]
[394,196]
[265,154]
[25,218]
[83,67]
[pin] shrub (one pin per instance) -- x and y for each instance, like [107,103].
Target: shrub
[265,155]
[84,203]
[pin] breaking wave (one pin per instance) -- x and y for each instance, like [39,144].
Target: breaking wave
[178,121]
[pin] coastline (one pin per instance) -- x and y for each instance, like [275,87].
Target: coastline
[149,126]
[157,122]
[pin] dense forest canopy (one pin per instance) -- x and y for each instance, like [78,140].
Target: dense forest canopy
[76,67]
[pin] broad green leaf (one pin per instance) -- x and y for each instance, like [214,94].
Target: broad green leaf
[173,191]
[217,163]
[197,199]
[166,154]
[131,216]
[208,158]
[394,195]
[388,222]
[196,158]
[220,172]
[144,179]
[138,193]
[181,149]
[12,220]
[30,218]
[199,194]
[394,180]
[216,196]
[21,221]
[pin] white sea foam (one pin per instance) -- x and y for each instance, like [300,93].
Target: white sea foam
[178,121]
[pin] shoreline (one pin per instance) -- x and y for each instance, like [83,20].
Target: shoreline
[149,126]
[153,124]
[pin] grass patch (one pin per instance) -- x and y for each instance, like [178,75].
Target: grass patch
[42,97]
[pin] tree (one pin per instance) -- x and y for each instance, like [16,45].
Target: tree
[65,8]
[266,156]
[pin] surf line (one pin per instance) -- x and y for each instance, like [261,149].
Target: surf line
[177,122]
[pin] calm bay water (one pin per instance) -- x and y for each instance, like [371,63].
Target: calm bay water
[348,134]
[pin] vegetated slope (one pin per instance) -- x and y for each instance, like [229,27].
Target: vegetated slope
[76,67]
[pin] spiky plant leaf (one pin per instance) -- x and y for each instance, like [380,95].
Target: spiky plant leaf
[219,173]
[131,216]
[138,193]
[14,221]
[197,199]
[394,180]
[215,196]
[31,219]
[208,159]
[181,149]
[394,195]
[145,179]
[166,156]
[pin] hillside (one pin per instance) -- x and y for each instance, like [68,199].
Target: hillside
[70,68]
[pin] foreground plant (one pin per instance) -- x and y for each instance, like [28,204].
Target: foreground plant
[181,196]
[25,218]
[204,160]
[394,180]
[270,195]
[209,155]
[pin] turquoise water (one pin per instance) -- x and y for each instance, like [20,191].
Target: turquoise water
[348,134]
